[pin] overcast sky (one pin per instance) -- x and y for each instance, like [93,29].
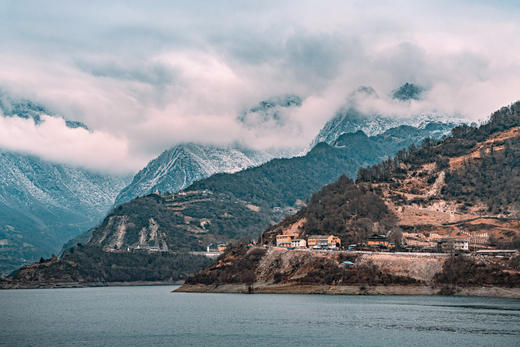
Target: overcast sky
[147,75]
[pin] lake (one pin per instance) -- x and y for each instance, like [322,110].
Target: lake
[152,315]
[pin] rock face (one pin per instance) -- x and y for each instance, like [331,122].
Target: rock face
[44,204]
[178,167]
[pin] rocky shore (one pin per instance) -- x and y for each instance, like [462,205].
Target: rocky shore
[482,291]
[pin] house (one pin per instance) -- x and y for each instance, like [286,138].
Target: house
[298,243]
[452,244]
[324,241]
[283,240]
[380,241]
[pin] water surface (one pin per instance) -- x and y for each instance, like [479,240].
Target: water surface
[137,316]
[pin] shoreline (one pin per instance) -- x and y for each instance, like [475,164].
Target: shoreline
[57,285]
[482,291]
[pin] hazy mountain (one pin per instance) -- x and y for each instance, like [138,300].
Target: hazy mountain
[22,108]
[270,112]
[408,91]
[44,204]
[349,119]
[181,165]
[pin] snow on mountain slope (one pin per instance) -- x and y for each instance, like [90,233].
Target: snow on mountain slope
[350,120]
[44,204]
[183,164]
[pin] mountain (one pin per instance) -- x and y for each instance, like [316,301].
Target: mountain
[178,167]
[44,204]
[466,186]
[408,91]
[181,165]
[270,112]
[15,107]
[350,119]
[228,206]
[235,206]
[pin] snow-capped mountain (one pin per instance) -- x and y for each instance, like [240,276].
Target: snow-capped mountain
[350,120]
[181,165]
[44,204]
[184,164]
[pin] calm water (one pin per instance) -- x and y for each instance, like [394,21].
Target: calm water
[154,316]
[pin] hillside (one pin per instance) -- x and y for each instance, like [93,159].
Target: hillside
[226,207]
[464,186]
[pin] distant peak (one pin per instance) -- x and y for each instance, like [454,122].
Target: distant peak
[282,101]
[365,90]
[26,109]
[269,111]
[408,91]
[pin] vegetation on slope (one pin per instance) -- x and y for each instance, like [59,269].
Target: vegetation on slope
[462,270]
[91,264]
[344,209]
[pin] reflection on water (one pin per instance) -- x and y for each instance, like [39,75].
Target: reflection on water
[155,316]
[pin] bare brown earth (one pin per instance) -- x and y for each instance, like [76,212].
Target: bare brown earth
[495,142]
[426,217]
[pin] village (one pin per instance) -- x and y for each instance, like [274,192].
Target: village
[374,243]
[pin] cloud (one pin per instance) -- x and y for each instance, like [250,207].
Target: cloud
[145,77]
[52,140]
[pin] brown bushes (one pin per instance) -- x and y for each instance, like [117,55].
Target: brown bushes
[327,272]
[460,270]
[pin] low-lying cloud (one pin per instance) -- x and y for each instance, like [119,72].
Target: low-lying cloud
[145,77]
[52,140]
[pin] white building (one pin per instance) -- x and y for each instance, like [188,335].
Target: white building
[298,243]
